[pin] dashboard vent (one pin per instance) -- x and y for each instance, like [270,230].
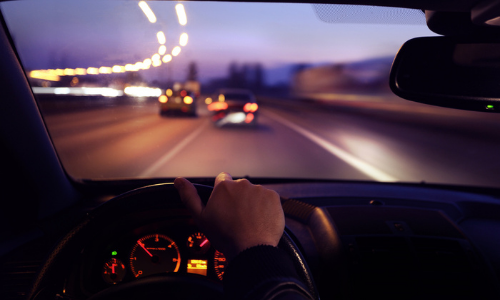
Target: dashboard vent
[16,279]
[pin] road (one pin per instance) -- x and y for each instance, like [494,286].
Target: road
[367,141]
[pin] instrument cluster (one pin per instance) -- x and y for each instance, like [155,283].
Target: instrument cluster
[154,249]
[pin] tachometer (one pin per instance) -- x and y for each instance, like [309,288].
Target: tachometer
[154,253]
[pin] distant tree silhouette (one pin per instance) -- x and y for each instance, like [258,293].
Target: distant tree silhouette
[258,77]
[192,72]
[236,76]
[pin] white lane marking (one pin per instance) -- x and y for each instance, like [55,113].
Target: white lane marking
[167,156]
[355,162]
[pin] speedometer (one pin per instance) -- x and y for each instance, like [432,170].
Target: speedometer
[154,253]
[220,264]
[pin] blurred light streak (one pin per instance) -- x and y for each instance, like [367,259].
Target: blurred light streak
[156,56]
[163,99]
[107,92]
[61,91]
[181,14]
[118,69]
[167,58]
[79,91]
[169,92]
[147,11]
[183,40]
[208,100]
[156,63]
[162,50]
[161,37]
[188,100]
[53,75]
[146,63]
[105,70]
[176,51]
[141,91]
[221,98]
[80,71]
[217,106]
[139,65]
[130,67]
[69,72]
[44,75]
[93,71]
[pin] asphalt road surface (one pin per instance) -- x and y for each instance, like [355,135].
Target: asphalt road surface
[351,140]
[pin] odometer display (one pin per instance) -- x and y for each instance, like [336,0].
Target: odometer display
[154,253]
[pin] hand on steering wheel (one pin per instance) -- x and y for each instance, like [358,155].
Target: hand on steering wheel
[238,215]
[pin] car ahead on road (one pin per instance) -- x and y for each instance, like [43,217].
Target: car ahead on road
[354,232]
[234,107]
[177,102]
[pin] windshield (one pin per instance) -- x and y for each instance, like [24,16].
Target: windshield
[133,90]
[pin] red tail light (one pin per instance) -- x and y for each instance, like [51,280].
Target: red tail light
[249,118]
[250,107]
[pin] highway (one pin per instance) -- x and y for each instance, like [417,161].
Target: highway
[293,139]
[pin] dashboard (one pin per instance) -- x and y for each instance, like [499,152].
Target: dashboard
[358,240]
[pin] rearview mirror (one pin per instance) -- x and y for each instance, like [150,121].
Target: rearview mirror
[449,72]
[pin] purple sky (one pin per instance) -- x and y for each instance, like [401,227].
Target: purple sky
[59,34]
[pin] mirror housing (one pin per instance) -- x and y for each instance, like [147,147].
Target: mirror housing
[453,72]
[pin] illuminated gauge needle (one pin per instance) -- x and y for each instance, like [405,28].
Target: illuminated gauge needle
[144,247]
[113,268]
[204,242]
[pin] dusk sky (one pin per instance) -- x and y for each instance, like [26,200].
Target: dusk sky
[71,34]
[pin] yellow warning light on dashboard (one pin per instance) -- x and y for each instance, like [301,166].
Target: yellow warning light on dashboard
[197,266]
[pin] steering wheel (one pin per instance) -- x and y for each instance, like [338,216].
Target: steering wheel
[175,285]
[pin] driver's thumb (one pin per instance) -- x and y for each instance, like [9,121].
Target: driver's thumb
[189,196]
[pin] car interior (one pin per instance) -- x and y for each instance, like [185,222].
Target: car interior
[80,231]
